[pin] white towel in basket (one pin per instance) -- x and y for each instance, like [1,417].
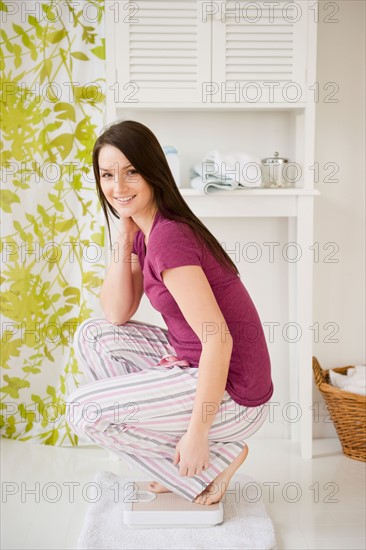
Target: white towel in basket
[354,381]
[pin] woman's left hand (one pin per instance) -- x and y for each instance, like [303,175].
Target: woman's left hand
[192,453]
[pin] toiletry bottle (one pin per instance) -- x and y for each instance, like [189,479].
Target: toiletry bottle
[171,154]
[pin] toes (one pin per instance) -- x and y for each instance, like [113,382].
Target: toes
[208,497]
[202,499]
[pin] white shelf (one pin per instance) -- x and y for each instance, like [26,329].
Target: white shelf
[253,192]
[212,106]
[248,203]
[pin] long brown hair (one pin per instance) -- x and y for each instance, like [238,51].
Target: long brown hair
[143,151]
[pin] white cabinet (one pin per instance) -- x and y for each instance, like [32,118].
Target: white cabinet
[231,76]
[259,52]
[195,51]
[162,51]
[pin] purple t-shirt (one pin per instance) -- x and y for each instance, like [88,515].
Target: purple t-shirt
[173,244]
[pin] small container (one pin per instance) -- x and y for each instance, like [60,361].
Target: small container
[172,157]
[274,171]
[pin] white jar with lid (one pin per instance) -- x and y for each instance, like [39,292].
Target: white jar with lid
[171,154]
[274,171]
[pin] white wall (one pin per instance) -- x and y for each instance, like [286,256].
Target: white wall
[339,288]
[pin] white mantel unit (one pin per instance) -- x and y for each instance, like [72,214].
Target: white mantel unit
[231,76]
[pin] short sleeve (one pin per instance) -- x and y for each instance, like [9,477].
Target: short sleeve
[173,244]
[134,246]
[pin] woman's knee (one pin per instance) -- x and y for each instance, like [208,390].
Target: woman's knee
[92,330]
[74,406]
[89,331]
[82,415]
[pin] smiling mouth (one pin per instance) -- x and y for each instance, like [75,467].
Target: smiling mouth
[125,200]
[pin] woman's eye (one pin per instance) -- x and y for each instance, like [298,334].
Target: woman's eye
[106,175]
[132,171]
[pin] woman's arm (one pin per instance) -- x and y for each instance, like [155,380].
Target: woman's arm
[212,377]
[123,286]
[192,292]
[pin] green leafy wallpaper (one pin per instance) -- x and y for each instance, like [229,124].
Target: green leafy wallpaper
[52,106]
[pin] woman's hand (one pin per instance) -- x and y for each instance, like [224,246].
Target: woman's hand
[127,226]
[192,453]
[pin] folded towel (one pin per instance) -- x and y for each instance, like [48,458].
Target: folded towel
[354,381]
[358,370]
[360,390]
[246,524]
[226,172]
[211,183]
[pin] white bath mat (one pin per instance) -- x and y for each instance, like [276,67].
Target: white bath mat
[246,524]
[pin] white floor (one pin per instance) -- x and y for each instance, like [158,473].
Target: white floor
[317,503]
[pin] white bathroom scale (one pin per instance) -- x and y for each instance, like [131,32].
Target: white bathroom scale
[145,509]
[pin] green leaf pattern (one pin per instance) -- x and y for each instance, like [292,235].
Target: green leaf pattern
[53,103]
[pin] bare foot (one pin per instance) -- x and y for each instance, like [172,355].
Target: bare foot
[156,487]
[217,488]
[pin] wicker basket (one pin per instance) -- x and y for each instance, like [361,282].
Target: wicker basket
[347,410]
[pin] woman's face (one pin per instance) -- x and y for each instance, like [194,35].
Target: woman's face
[120,181]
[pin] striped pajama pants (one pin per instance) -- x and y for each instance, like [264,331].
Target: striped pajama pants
[139,400]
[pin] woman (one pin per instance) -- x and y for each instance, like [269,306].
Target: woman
[178,403]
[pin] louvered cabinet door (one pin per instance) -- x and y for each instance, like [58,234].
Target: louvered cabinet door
[259,52]
[162,51]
